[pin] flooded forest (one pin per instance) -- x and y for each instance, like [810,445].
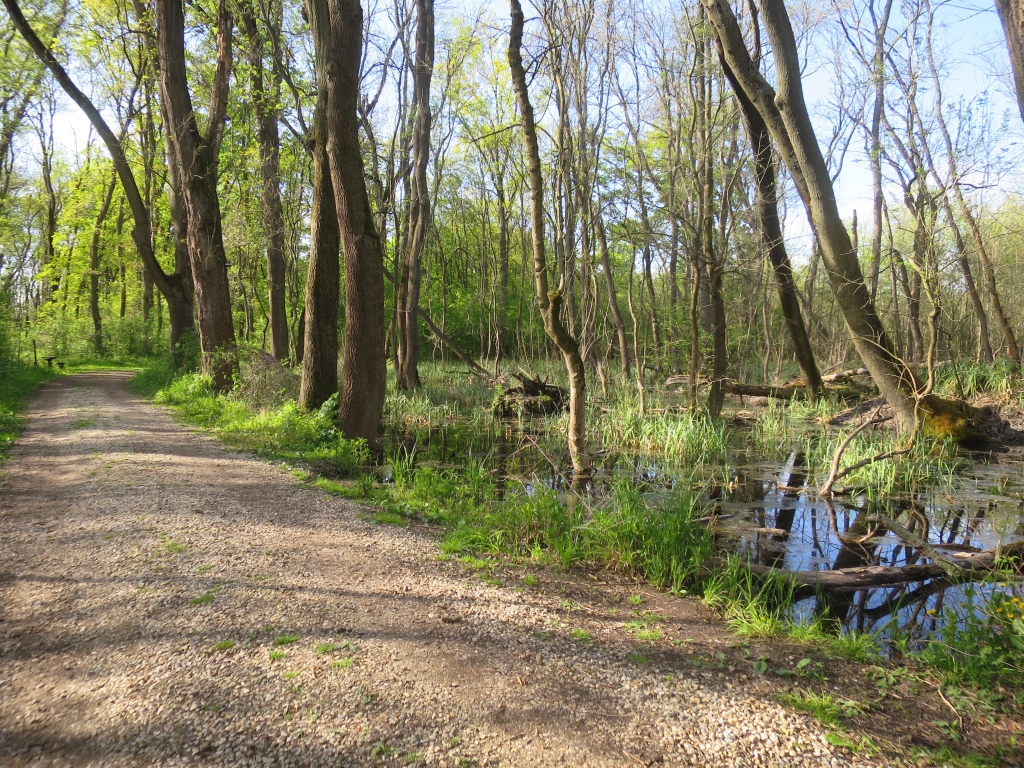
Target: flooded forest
[724,298]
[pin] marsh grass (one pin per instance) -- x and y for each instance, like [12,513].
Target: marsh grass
[679,436]
[1001,379]
[930,462]
[753,606]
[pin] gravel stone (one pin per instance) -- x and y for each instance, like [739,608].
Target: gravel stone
[130,547]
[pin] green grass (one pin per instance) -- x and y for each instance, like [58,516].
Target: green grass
[281,431]
[824,707]
[277,655]
[678,436]
[753,607]
[342,664]
[968,379]
[203,599]
[287,639]
[581,635]
[17,383]
[224,645]
[853,646]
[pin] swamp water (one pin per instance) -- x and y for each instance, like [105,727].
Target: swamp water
[770,514]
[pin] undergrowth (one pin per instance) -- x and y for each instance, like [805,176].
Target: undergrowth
[283,432]
[17,383]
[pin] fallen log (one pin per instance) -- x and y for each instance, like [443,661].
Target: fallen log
[834,378]
[758,390]
[969,566]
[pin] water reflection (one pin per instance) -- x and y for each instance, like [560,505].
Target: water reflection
[769,514]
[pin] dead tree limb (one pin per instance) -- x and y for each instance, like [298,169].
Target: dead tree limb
[967,566]
[473,366]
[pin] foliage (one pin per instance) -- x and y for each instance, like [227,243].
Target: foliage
[17,383]
[753,606]
[982,640]
[284,431]
[679,436]
[970,379]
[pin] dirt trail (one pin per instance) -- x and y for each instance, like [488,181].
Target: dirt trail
[130,548]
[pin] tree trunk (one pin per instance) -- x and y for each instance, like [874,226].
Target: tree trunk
[877,198]
[984,346]
[1011,14]
[323,281]
[408,375]
[613,303]
[196,155]
[786,115]
[337,39]
[550,303]
[265,103]
[119,228]
[94,265]
[771,232]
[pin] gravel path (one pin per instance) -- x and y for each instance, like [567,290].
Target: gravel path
[164,601]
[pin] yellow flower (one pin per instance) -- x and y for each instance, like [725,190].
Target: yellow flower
[932,611]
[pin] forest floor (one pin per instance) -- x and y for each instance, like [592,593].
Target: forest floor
[164,601]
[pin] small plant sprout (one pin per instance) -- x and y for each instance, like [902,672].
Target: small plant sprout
[287,639]
[636,600]
[277,655]
[581,635]
[224,645]
[341,664]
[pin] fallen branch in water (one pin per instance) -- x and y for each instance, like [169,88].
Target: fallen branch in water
[967,567]
[835,474]
[940,559]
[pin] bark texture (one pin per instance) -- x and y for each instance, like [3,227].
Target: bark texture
[320,338]
[1011,14]
[337,39]
[196,156]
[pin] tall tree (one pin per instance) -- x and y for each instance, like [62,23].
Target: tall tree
[337,39]
[265,99]
[549,301]
[196,154]
[786,115]
[419,201]
[176,287]
[320,344]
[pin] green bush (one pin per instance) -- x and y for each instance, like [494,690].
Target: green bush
[981,640]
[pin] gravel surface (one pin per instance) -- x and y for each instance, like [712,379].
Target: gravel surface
[164,601]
